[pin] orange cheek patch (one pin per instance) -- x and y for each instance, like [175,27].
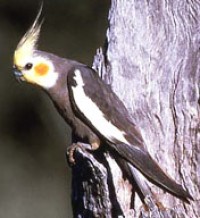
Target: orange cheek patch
[41,69]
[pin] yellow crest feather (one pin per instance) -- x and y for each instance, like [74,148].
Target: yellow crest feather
[28,43]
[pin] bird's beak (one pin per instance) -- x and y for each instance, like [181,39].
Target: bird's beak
[18,74]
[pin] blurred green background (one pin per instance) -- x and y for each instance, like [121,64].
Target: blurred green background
[34,177]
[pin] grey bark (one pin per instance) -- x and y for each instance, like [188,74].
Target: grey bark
[152,63]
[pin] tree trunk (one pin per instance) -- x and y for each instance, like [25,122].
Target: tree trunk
[152,62]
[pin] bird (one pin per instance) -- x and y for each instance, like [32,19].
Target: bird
[89,106]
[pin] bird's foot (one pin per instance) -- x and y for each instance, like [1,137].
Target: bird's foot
[95,145]
[70,153]
[73,147]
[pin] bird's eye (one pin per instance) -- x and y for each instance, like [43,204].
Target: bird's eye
[28,66]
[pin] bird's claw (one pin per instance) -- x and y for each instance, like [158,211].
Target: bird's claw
[70,153]
[71,150]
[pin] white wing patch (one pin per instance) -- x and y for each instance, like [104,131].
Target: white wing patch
[92,112]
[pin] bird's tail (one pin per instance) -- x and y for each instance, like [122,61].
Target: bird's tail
[150,169]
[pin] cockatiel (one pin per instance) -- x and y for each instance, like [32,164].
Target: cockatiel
[88,105]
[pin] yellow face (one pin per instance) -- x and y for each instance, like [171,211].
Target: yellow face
[36,70]
[30,66]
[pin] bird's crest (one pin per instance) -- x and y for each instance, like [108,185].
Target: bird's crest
[28,43]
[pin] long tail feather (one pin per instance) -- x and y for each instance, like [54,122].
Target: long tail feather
[149,168]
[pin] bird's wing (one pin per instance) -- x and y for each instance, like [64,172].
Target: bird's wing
[99,107]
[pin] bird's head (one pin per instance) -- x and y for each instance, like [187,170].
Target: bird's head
[29,64]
